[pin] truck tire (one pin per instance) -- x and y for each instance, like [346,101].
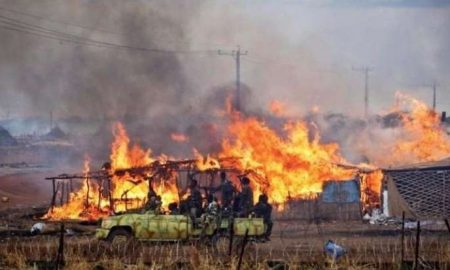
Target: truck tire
[119,237]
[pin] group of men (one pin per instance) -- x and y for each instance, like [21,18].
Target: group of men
[233,203]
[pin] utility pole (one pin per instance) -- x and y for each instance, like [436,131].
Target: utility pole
[433,86]
[365,70]
[237,55]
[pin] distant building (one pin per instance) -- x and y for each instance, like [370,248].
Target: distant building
[6,139]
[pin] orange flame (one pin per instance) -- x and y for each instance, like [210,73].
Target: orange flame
[278,108]
[179,137]
[290,167]
[204,163]
[127,191]
[422,136]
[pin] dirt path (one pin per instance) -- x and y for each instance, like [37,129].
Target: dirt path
[24,188]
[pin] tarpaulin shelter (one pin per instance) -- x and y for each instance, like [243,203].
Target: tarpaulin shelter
[421,190]
[339,200]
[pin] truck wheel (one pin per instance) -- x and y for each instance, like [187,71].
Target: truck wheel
[119,237]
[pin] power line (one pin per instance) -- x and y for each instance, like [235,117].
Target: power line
[37,30]
[55,21]
[42,18]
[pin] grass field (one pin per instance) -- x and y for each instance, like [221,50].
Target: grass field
[296,244]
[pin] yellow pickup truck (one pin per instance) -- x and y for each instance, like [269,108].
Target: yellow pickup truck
[150,226]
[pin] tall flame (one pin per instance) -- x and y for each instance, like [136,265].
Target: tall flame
[291,167]
[127,191]
[291,163]
[422,137]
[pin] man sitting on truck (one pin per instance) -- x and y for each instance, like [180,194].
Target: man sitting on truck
[245,198]
[263,209]
[226,189]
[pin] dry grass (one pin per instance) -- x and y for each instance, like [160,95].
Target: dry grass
[297,247]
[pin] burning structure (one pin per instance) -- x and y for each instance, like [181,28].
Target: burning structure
[291,164]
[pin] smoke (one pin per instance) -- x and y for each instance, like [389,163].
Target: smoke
[299,52]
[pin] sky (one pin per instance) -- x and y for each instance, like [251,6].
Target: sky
[299,52]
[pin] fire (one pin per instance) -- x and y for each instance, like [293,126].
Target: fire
[291,163]
[127,191]
[278,108]
[422,137]
[204,163]
[83,204]
[371,188]
[418,136]
[292,166]
[179,137]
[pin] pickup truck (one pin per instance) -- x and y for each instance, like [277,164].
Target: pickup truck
[150,226]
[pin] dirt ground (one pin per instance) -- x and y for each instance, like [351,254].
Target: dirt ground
[24,187]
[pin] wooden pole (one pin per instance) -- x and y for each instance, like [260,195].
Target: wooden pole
[230,244]
[416,255]
[447,224]
[244,243]
[403,240]
[61,198]
[60,256]
[87,192]
[100,190]
[54,194]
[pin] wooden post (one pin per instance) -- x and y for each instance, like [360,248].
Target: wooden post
[67,191]
[87,192]
[71,185]
[61,198]
[54,194]
[60,256]
[447,224]
[111,200]
[100,189]
[403,241]
[244,243]
[416,255]
[231,229]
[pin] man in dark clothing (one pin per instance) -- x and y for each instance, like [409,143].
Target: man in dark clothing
[173,209]
[154,204]
[195,197]
[194,201]
[263,209]
[245,198]
[227,190]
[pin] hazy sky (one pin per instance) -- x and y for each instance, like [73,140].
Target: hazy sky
[300,52]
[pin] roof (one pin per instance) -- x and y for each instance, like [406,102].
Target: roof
[428,165]
[419,193]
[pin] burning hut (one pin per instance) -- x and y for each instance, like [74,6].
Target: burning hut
[422,190]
